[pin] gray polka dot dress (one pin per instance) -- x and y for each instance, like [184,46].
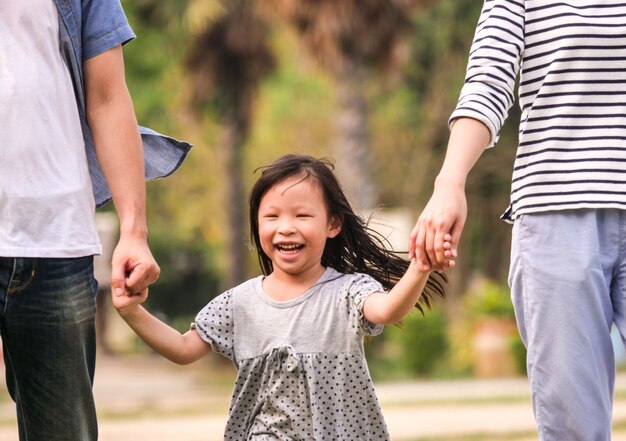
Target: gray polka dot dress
[302,373]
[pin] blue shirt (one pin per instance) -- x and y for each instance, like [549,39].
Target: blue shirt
[88,28]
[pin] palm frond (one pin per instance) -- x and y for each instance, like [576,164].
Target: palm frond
[228,60]
[338,33]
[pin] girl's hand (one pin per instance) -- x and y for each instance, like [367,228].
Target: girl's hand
[392,307]
[126,302]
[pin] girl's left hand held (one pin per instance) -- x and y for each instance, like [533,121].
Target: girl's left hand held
[125,301]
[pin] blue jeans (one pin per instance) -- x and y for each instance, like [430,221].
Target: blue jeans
[47,325]
[568,283]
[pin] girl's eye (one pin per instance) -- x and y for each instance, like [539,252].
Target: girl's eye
[303,215]
[270,216]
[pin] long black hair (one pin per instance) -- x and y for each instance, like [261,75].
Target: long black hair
[357,248]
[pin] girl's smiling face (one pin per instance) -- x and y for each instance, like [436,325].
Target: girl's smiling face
[294,225]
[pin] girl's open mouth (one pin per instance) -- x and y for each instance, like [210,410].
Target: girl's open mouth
[289,248]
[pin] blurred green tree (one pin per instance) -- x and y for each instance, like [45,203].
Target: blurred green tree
[405,128]
[189,276]
[424,341]
[228,60]
[354,40]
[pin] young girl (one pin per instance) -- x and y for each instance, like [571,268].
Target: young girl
[296,333]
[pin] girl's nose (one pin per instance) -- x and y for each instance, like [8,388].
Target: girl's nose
[286,226]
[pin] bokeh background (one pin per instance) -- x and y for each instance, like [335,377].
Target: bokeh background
[368,83]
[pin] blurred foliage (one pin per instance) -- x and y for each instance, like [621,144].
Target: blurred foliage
[424,341]
[487,298]
[152,64]
[418,346]
[519,352]
[187,282]
[358,44]
[339,34]
[294,111]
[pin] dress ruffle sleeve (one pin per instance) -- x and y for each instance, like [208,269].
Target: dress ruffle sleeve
[359,288]
[214,324]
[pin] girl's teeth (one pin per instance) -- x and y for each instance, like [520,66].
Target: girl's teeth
[288,248]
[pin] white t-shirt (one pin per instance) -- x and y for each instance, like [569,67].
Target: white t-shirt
[46,199]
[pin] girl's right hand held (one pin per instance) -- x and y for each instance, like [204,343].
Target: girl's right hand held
[449,254]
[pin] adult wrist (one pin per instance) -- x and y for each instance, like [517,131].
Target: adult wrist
[450,181]
[134,230]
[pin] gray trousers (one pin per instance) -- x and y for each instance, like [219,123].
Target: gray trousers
[568,284]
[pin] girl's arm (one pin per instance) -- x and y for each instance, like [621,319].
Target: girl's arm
[167,341]
[388,308]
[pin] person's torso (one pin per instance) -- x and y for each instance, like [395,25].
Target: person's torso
[572,92]
[302,370]
[572,137]
[46,200]
[319,321]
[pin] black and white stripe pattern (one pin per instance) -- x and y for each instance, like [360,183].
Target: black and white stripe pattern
[572,138]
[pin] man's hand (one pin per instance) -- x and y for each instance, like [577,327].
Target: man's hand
[127,304]
[132,267]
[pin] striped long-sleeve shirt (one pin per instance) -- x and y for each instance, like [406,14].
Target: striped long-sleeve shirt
[571,59]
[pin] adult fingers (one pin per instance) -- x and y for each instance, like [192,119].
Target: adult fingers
[118,276]
[455,233]
[440,260]
[141,276]
[420,251]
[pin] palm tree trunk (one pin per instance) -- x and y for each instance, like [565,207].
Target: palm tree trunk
[235,197]
[352,151]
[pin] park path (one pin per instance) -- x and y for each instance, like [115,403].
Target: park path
[147,398]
